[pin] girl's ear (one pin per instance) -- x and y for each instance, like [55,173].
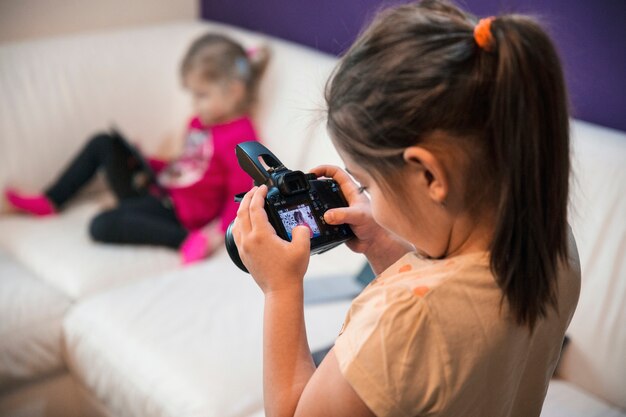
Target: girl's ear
[429,171]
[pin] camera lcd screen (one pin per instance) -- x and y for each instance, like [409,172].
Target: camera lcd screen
[299,215]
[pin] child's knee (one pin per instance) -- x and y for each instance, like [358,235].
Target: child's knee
[101,227]
[101,142]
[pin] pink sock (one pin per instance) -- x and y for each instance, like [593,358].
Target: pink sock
[194,248]
[38,205]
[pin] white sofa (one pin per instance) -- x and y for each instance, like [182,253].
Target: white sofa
[92,329]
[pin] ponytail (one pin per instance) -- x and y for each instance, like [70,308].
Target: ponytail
[528,132]
[258,58]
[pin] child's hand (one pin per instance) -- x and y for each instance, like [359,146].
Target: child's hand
[376,243]
[274,263]
[358,215]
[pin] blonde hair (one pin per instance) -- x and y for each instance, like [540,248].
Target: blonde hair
[219,58]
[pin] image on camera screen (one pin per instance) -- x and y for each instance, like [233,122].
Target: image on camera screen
[300,215]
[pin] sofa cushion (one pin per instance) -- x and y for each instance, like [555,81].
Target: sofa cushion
[594,358]
[568,400]
[31,313]
[60,252]
[187,343]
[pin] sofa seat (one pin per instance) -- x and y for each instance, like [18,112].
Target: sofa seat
[186,343]
[595,358]
[59,251]
[567,400]
[31,313]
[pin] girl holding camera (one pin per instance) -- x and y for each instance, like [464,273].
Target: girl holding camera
[454,134]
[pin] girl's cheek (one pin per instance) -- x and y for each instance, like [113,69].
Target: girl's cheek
[205,109]
[380,212]
[197,105]
[375,214]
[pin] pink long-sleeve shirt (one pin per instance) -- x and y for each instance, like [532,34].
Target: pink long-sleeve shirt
[202,182]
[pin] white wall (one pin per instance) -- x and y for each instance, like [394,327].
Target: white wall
[27,19]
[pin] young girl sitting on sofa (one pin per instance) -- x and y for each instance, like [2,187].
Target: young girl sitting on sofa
[192,190]
[457,131]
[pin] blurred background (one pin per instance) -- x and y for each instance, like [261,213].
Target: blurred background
[591,35]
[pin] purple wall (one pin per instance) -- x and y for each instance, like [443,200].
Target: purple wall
[590,35]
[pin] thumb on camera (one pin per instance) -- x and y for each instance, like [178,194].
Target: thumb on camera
[334,216]
[300,234]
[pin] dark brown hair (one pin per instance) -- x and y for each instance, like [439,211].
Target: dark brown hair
[416,71]
[220,58]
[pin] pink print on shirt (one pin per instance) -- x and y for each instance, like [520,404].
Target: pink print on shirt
[191,166]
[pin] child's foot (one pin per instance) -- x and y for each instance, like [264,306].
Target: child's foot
[38,205]
[194,248]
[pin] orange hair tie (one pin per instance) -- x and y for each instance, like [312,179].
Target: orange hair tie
[482,34]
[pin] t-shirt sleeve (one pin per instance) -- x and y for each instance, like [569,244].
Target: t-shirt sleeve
[390,352]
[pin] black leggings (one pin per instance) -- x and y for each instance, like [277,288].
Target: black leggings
[139,218]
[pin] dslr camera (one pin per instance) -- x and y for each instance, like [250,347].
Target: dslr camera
[293,198]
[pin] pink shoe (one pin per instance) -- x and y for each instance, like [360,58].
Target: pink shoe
[39,205]
[194,248]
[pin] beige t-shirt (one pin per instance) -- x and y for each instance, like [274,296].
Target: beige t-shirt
[431,338]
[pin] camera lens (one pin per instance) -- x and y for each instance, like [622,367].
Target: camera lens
[231,248]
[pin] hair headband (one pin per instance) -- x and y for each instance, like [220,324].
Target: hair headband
[242,66]
[483,35]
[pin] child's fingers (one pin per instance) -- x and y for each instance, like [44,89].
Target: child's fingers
[324,170]
[341,215]
[243,216]
[345,181]
[332,171]
[258,216]
[301,237]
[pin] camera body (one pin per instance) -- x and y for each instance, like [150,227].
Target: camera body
[293,198]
